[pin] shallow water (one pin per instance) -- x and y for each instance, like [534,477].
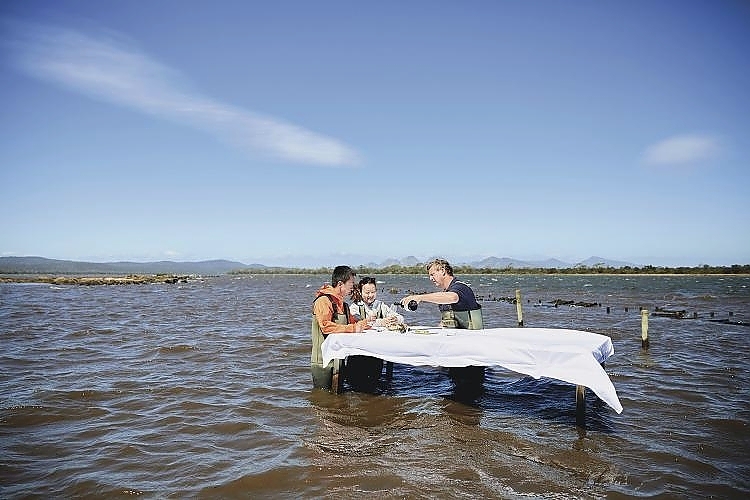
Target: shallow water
[203,390]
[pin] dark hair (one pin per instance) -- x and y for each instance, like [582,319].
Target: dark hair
[342,274]
[357,289]
[367,280]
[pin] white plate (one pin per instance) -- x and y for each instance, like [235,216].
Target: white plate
[424,330]
[376,329]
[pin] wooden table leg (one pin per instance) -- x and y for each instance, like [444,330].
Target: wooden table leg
[581,405]
[336,379]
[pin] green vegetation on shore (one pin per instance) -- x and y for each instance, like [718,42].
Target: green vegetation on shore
[37,268]
[139,279]
[419,269]
[131,279]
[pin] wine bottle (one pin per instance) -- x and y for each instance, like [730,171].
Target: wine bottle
[412,305]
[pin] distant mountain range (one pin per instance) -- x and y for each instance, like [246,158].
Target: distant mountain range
[41,265]
[505,262]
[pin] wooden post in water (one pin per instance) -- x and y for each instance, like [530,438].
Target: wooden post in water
[581,405]
[519,308]
[644,328]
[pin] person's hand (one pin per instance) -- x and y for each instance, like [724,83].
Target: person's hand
[361,325]
[390,321]
[405,301]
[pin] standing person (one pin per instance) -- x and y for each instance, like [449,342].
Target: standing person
[331,315]
[367,305]
[457,303]
[458,309]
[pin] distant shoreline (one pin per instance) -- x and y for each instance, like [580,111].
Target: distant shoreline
[140,279]
[30,265]
[130,279]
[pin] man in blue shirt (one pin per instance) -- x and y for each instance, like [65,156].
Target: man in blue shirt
[457,302]
[458,309]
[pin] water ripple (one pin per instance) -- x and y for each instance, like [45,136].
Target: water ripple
[203,390]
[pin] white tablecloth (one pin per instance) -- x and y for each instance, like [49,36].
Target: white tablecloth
[572,356]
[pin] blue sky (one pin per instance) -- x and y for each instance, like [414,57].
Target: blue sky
[294,132]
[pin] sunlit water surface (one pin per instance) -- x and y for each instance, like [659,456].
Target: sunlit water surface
[203,390]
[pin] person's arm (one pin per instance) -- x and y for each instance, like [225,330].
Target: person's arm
[359,325]
[354,311]
[323,310]
[390,312]
[433,297]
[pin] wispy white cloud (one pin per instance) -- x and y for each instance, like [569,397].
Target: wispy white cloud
[111,70]
[682,150]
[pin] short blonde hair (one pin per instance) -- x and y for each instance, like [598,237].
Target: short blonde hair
[440,264]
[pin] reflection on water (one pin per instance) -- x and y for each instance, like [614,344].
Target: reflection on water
[203,390]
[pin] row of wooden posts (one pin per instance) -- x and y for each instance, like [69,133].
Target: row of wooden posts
[644,317]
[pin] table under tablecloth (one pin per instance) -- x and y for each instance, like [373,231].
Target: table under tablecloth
[572,356]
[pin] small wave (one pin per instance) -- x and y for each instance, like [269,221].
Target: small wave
[25,416]
[91,331]
[176,349]
[705,297]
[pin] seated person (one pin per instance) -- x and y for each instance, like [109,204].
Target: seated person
[366,305]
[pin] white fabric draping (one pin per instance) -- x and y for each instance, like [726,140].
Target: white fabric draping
[572,356]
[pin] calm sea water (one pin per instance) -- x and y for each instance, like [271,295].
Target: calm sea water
[203,390]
